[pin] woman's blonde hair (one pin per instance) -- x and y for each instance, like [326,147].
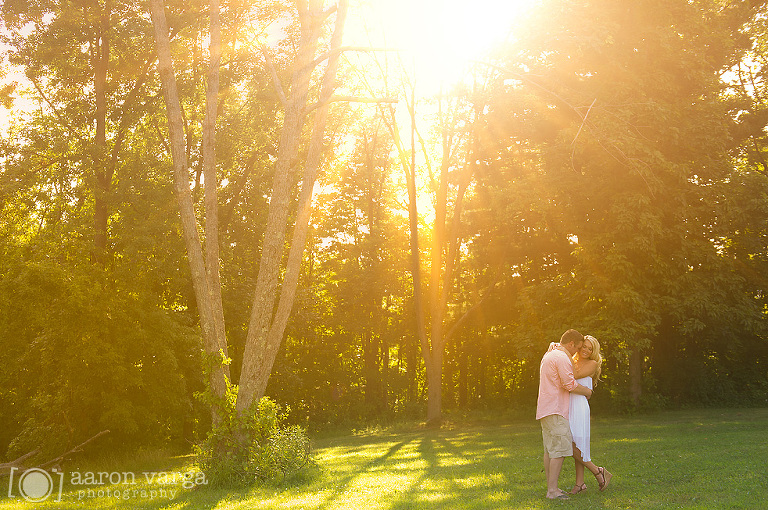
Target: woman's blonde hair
[596,356]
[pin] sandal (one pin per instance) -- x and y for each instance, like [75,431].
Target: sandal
[579,488]
[601,471]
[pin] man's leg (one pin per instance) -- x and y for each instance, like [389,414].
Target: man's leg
[557,445]
[553,476]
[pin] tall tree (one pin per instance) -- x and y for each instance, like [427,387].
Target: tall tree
[267,323]
[74,182]
[632,146]
[106,56]
[449,167]
[205,273]
[360,256]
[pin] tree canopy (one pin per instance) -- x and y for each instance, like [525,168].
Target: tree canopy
[184,182]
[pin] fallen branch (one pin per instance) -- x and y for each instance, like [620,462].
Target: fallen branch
[17,463]
[5,469]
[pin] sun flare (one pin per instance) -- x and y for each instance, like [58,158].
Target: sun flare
[440,37]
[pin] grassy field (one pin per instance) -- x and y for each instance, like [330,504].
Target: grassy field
[681,459]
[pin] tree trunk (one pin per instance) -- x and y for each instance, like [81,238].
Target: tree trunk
[100,165]
[434,366]
[481,361]
[463,376]
[635,375]
[482,378]
[433,409]
[371,371]
[212,182]
[178,147]
[412,367]
[384,374]
[265,330]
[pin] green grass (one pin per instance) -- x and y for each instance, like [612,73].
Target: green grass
[682,459]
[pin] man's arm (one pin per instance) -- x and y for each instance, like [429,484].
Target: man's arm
[565,372]
[582,390]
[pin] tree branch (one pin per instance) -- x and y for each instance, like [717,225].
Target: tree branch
[76,449]
[621,158]
[123,126]
[55,110]
[275,78]
[467,314]
[351,99]
[362,49]
[17,463]
[573,143]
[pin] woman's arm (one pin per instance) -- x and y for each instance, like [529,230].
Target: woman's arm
[582,390]
[585,369]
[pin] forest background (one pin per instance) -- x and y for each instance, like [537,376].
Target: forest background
[602,168]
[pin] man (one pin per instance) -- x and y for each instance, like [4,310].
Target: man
[556,383]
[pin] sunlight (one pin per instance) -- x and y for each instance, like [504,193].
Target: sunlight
[440,38]
[436,41]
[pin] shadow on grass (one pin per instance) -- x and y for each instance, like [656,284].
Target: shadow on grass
[671,460]
[468,470]
[344,484]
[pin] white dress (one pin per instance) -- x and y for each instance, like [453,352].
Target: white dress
[579,418]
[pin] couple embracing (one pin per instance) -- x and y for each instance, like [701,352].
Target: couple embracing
[567,375]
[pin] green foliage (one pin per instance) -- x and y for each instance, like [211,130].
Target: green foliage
[251,448]
[612,192]
[344,358]
[619,187]
[101,359]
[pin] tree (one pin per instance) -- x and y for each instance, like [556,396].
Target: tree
[98,45]
[205,272]
[450,168]
[77,315]
[267,325]
[632,146]
[359,256]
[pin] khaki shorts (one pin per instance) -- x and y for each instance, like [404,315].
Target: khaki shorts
[556,432]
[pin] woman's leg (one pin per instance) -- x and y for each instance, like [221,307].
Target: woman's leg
[578,465]
[603,477]
[579,468]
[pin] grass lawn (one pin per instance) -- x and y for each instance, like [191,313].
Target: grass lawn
[677,459]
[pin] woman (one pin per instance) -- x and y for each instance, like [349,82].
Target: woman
[586,369]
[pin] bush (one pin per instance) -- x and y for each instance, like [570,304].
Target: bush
[253,448]
[84,352]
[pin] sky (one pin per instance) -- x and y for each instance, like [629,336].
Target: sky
[440,38]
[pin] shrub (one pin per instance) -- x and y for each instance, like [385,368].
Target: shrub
[255,447]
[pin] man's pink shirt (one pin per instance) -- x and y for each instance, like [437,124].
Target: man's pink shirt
[556,382]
